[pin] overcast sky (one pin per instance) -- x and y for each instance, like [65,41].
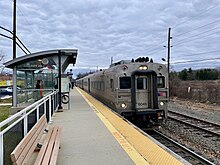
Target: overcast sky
[123,29]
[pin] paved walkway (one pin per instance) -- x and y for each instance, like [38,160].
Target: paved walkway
[84,137]
[92,134]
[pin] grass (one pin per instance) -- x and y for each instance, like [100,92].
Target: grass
[4,112]
[9,100]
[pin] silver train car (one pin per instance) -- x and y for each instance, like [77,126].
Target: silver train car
[137,90]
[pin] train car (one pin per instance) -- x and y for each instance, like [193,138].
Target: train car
[136,89]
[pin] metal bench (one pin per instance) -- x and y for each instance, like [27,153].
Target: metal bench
[48,151]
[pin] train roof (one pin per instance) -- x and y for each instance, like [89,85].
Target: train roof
[142,61]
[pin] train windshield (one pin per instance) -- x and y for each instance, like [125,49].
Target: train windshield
[125,82]
[161,82]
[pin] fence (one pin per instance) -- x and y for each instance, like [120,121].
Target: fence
[14,128]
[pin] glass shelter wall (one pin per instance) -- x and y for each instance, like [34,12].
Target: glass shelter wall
[35,79]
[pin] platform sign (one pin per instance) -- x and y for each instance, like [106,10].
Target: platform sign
[65,85]
[6,83]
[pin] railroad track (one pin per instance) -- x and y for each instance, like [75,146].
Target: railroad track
[209,129]
[179,149]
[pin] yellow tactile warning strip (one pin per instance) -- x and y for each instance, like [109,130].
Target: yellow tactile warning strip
[134,155]
[128,136]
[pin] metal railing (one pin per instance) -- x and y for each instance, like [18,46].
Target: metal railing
[14,128]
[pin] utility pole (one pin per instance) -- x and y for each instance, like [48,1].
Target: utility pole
[14,102]
[14,31]
[168,51]
[168,58]
[111,60]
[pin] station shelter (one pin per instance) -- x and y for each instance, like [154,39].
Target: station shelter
[36,74]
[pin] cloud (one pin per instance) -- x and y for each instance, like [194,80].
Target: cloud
[120,29]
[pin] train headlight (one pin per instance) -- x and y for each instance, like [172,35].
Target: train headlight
[123,105]
[162,103]
[143,67]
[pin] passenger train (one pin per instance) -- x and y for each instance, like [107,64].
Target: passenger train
[136,89]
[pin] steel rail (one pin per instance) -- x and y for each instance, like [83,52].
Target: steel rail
[196,123]
[181,150]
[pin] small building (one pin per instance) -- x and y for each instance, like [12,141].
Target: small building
[44,66]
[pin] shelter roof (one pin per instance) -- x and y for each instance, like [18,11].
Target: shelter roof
[69,56]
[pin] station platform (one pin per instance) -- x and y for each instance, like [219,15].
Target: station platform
[92,134]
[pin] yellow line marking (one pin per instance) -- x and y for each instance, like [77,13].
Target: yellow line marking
[129,149]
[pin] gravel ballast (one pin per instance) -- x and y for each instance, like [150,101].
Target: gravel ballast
[208,147]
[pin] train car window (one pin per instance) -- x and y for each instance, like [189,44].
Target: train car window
[99,85]
[94,85]
[112,84]
[102,86]
[125,82]
[141,83]
[161,82]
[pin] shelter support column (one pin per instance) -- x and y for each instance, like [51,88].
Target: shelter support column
[32,84]
[25,86]
[59,80]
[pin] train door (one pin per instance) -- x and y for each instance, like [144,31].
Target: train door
[142,96]
[144,90]
[89,85]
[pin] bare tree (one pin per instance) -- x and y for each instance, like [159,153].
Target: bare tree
[2,57]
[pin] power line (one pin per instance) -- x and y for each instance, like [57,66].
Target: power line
[6,29]
[156,47]
[156,51]
[211,8]
[16,38]
[16,42]
[189,61]
[204,32]
[195,54]
[197,28]
[5,36]
[208,35]
[23,45]
[21,13]
[23,16]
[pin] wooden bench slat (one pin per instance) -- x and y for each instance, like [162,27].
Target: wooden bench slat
[30,137]
[54,156]
[34,145]
[30,147]
[17,151]
[43,148]
[49,150]
[50,147]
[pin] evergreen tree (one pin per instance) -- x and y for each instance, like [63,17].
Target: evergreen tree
[183,75]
